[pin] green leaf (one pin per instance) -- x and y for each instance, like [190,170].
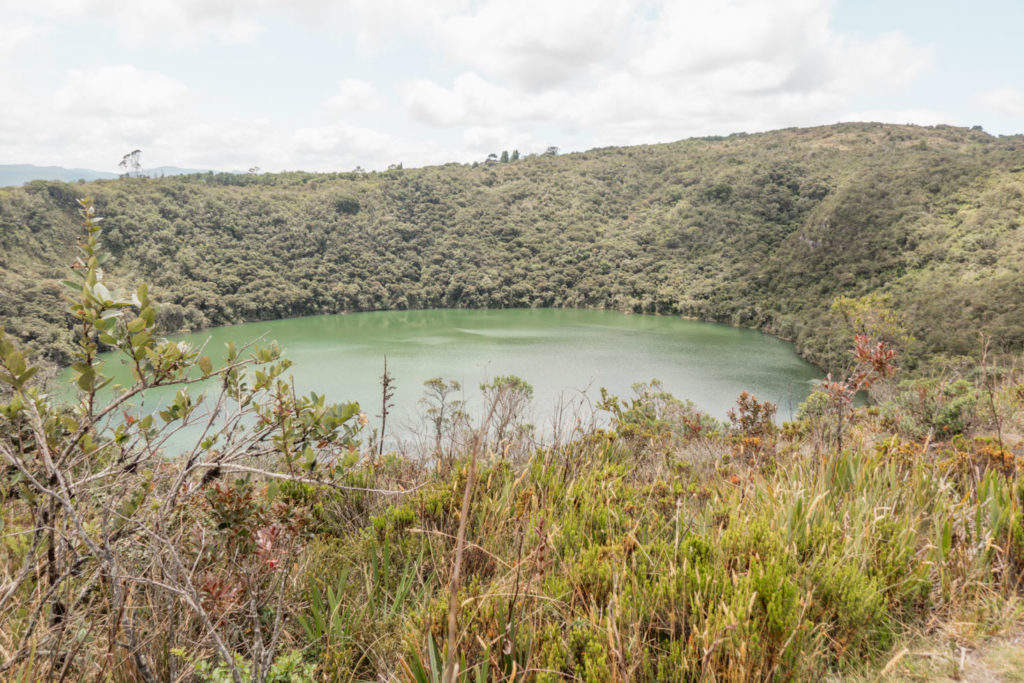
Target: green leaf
[205,365]
[435,659]
[16,363]
[86,379]
[348,411]
[141,339]
[136,325]
[419,673]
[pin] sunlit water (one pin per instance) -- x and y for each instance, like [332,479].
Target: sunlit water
[567,355]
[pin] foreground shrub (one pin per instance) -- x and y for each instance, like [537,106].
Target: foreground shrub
[134,556]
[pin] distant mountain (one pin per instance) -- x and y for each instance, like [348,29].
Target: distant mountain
[19,174]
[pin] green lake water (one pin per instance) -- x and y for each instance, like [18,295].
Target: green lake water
[566,355]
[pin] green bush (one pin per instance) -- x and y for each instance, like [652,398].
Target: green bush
[932,407]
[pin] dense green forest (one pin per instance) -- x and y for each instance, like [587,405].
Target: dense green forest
[760,230]
[881,540]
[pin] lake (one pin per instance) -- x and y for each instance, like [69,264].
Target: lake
[565,354]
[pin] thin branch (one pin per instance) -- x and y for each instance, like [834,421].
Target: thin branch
[234,467]
[460,548]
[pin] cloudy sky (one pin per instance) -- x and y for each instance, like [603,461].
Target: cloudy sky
[335,84]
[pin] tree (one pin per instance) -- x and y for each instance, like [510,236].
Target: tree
[504,156]
[509,397]
[551,151]
[132,163]
[873,361]
[444,413]
[515,155]
[873,317]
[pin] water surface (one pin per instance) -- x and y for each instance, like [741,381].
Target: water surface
[561,352]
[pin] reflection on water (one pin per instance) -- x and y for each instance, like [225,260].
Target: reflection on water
[560,352]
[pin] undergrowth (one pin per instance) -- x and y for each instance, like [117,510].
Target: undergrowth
[666,547]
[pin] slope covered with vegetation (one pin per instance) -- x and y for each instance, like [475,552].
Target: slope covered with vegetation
[667,547]
[758,230]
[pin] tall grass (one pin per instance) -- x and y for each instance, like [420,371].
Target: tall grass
[667,547]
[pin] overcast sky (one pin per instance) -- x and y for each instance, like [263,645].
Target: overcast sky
[335,84]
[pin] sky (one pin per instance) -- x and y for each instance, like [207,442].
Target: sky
[331,85]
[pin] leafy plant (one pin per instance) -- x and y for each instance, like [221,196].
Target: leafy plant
[121,519]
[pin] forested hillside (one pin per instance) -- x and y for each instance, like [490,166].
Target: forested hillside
[760,230]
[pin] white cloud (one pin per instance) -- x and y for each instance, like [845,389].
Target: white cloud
[141,23]
[695,37]
[98,114]
[1007,101]
[341,146]
[20,35]
[381,22]
[473,100]
[119,91]
[185,22]
[93,117]
[338,139]
[631,72]
[354,96]
[483,75]
[887,63]
[536,44]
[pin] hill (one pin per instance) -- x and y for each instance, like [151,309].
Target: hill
[19,174]
[762,230]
